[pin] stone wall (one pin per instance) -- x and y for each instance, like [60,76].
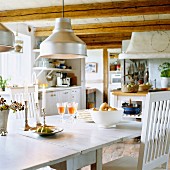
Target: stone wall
[117,150]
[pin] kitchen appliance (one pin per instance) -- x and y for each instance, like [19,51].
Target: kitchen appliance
[115,80]
[63,80]
[59,79]
[66,81]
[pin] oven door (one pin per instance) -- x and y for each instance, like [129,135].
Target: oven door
[115,78]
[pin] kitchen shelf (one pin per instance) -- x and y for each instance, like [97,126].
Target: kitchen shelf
[52,69]
[36,50]
[41,69]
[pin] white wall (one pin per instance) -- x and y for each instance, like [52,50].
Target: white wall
[18,66]
[153,70]
[95,79]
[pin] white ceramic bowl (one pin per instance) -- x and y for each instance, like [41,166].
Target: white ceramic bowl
[107,119]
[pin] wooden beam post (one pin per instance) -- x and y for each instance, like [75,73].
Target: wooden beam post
[105,75]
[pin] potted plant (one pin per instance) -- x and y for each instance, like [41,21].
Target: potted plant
[164,69]
[4,112]
[3,83]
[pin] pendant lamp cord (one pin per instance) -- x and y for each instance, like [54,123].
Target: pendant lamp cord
[63,10]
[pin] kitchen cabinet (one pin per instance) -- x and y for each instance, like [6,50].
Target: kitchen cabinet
[67,95]
[51,108]
[56,96]
[75,96]
[63,96]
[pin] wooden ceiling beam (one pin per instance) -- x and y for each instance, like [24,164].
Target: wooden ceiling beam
[112,35]
[101,46]
[94,10]
[104,39]
[114,27]
[109,37]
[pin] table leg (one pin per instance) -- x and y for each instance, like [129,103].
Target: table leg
[93,158]
[98,164]
[70,164]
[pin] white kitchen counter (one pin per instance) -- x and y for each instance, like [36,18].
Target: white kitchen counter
[4,93]
[58,88]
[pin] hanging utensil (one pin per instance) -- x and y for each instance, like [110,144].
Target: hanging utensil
[49,76]
[133,70]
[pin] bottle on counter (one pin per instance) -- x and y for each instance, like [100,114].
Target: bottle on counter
[146,76]
[118,66]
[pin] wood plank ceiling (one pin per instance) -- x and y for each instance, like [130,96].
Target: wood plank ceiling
[101,24]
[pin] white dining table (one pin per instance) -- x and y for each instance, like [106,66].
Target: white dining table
[79,144]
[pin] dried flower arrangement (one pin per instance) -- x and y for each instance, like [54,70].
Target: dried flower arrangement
[15,106]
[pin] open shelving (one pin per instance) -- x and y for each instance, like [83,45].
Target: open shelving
[52,69]
[41,69]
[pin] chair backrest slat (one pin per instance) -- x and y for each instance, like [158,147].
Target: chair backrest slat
[162,128]
[155,139]
[17,94]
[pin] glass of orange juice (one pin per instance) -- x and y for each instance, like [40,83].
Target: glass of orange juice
[72,109]
[61,109]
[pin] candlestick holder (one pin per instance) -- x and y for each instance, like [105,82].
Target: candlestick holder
[27,127]
[38,124]
[43,111]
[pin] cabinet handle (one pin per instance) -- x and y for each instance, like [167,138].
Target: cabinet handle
[54,95]
[51,95]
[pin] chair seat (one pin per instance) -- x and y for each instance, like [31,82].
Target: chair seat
[124,163]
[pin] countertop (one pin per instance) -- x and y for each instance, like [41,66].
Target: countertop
[120,93]
[58,88]
[7,92]
[90,90]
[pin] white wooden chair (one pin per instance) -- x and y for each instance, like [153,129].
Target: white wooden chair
[17,94]
[155,138]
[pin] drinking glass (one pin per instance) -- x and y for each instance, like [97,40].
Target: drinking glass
[72,109]
[61,110]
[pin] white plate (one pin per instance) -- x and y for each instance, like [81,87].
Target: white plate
[54,128]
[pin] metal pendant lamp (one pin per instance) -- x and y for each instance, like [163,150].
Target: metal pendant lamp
[63,43]
[6,39]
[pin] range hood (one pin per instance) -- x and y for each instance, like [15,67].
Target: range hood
[144,45]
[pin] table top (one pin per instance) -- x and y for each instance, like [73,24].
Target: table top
[20,152]
[76,139]
[120,93]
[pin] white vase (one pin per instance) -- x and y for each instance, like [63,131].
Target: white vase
[165,82]
[3,122]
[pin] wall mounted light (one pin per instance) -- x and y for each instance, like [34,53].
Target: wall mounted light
[6,39]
